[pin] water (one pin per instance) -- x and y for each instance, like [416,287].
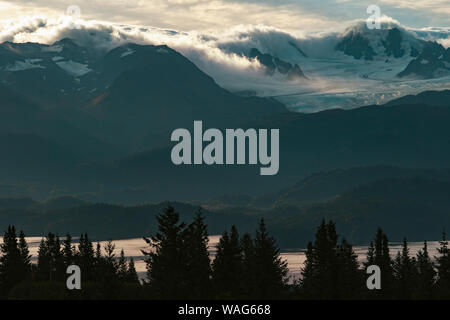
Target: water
[295,257]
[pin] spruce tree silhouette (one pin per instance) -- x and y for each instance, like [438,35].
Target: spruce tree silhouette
[443,268]
[227,266]
[25,256]
[198,264]
[132,276]
[85,257]
[248,282]
[426,274]
[58,256]
[270,270]
[14,261]
[350,280]
[68,251]
[309,273]
[405,273]
[50,266]
[110,267]
[370,257]
[122,267]
[165,263]
[331,269]
[379,254]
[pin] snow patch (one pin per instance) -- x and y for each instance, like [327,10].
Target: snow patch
[127,53]
[74,68]
[162,50]
[24,65]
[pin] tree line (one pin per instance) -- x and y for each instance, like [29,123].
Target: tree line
[103,274]
[332,270]
[179,266]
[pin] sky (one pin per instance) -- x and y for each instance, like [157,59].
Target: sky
[202,15]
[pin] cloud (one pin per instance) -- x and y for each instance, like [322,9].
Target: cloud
[202,15]
[178,14]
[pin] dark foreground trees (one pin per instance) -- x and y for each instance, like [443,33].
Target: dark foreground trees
[331,268]
[182,265]
[15,263]
[249,268]
[179,266]
[103,276]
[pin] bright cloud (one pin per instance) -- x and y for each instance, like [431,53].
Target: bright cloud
[203,15]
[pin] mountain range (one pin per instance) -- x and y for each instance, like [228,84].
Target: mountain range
[110,126]
[81,126]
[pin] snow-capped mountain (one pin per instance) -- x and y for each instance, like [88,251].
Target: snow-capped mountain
[306,72]
[131,96]
[347,69]
[429,59]
[98,121]
[432,62]
[273,64]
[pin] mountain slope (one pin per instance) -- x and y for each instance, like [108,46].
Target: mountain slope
[162,91]
[324,186]
[432,62]
[413,208]
[19,115]
[406,135]
[131,97]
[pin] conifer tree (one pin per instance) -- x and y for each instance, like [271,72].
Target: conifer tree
[50,265]
[132,276]
[349,277]
[99,263]
[198,264]
[319,274]
[13,262]
[98,251]
[227,265]
[43,264]
[110,267]
[269,269]
[380,256]
[122,267]
[370,259]
[404,271]
[58,257]
[165,265]
[68,251]
[443,268]
[426,274]
[25,255]
[331,269]
[248,282]
[85,257]
[309,271]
